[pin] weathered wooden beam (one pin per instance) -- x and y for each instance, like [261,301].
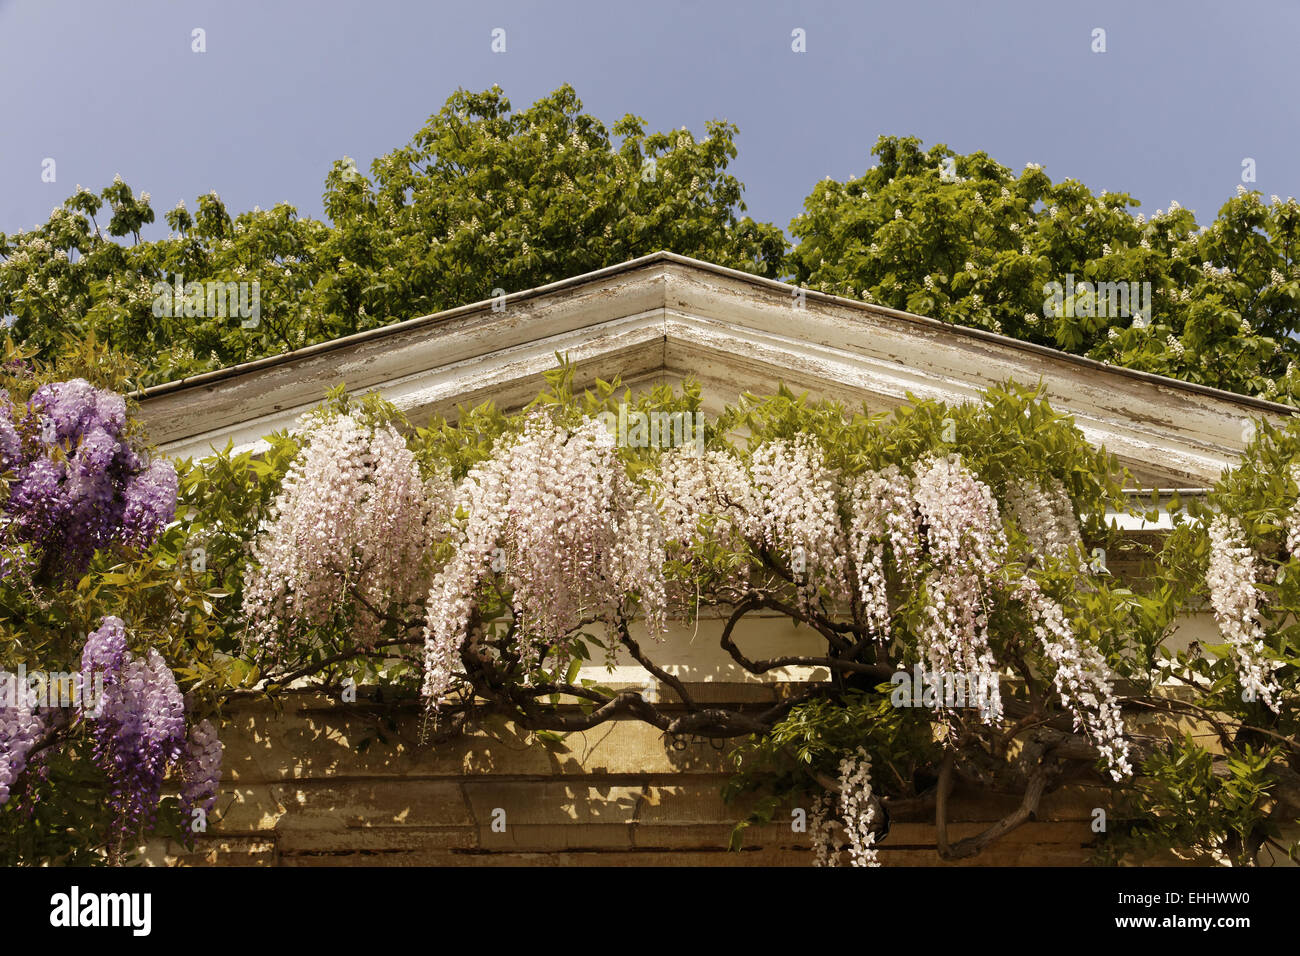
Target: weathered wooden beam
[664,318]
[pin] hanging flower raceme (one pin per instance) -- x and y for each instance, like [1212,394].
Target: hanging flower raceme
[104,653]
[1047,518]
[1234,596]
[200,769]
[822,831]
[965,546]
[707,497]
[351,527]
[883,522]
[554,512]
[79,485]
[797,514]
[138,727]
[1293,516]
[21,727]
[784,500]
[1081,677]
[941,521]
[11,445]
[856,808]
[693,486]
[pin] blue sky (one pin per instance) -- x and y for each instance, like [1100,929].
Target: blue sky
[1184,92]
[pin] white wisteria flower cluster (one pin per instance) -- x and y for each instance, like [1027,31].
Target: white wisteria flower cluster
[966,546]
[822,831]
[795,494]
[1234,596]
[882,515]
[350,530]
[1293,516]
[783,501]
[1047,518]
[694,485]
[579,539]
[1082,678]
[554,520]
[857,813]
[942,530]
[858,809]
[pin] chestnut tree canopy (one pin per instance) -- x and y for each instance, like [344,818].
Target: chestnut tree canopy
[487,198]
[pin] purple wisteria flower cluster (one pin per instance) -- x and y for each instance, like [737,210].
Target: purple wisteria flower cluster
[200,769]
[139,729]
[78,485]
[20,728]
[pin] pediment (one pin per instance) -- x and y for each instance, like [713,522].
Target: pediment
[663,318]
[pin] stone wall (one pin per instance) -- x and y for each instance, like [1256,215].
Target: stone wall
[326,783]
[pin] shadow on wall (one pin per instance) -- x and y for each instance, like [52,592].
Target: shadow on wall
[326,783]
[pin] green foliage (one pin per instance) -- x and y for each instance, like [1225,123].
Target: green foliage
[1236,771]
[979,246]
[1189,800]
[70,279]
[487,199]
[483,198]
[804,749]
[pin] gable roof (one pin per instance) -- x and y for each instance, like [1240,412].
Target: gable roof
[665,317]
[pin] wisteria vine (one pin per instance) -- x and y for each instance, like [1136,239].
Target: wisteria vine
[80,482]
[551,534]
